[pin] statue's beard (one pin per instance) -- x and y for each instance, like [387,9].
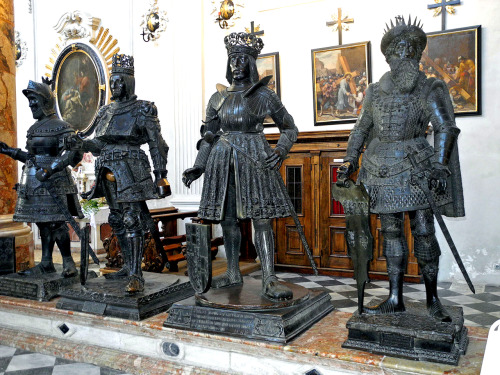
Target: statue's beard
[405,73]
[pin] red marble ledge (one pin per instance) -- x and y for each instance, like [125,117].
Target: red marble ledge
[320,345]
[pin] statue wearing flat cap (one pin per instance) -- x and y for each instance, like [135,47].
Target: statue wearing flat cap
[393,125]
[239,164]
[45,179]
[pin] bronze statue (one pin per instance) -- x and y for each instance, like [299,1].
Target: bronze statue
[47,193]
[123,172]
[393,124]
[240,167]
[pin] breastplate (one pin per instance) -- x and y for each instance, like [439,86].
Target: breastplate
[115,128]
[397,117]
[48,146]
[235,116]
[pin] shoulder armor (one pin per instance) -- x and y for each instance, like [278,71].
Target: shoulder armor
[262,83]
[147,108]
[217,99]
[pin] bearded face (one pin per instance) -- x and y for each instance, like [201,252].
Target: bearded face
[404,65]
[404,72]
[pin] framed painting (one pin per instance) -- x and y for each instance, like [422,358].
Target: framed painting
[455,57]
[269,65]
[79,84]
[341,75]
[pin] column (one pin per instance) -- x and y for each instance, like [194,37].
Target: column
[8,134]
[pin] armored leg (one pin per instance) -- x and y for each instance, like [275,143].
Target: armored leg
[232,241]
[264,244]
[135,240]
[427,253]
[46,265]
[395,251]
[60,232]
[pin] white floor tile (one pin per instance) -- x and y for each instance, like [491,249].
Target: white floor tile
[76,369]
[336,296]
[29,361]
[341,288]
[462,300]
[7,351]
[309,284]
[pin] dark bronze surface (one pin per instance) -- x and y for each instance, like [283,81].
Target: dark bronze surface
[275,325]
[38,287]
[248,297]
[108,297]
[240,179]
[410,334]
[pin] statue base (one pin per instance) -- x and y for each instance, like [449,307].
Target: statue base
[107,297]
[412,334]
[41,287]
[241,311]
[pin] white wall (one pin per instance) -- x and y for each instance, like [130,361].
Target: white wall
[180,71]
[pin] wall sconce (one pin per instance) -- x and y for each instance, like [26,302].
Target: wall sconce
[226,10]
[21,49]
[153,22]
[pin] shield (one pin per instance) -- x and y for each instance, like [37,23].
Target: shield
[199,259]
[359,239]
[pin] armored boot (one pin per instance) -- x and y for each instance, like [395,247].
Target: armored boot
[232,242]
[394,303]
[127,261]
[264,244]
[434,306]
[135,279]
[61,235]
[46,265]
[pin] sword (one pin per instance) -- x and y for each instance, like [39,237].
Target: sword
[419,179]
[288,201]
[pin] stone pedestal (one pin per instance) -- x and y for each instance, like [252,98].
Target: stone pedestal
[412,334]
[241,311]
[41,287]
[106,297]
[24,245]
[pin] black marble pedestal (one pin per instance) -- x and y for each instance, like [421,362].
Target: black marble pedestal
[412,334]
[241,311]
[41,287]
[107,297]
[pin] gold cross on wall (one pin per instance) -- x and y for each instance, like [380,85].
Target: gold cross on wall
[340,24]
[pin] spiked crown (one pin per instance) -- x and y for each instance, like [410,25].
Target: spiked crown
[243,43]
[404,30]
[123,64]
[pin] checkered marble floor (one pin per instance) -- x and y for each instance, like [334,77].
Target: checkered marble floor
[480,309]
[21,362]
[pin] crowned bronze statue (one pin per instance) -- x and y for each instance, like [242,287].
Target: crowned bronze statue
[123,172]
[47,193]
[401,171]
[241,179]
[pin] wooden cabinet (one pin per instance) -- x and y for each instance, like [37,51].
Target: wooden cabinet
[309,173]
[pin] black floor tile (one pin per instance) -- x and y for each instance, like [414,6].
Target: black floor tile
[487,297]
[344,303]
[484,307]
[485,320]
[4,363]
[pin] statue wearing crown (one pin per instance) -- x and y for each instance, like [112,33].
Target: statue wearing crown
[393,126]
[47,192]
[239,164]
[123,172]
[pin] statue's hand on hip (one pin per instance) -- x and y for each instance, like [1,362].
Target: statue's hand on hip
[275,160]
[191,174]
[438,179]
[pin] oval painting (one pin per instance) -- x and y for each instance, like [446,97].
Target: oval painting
[78,90]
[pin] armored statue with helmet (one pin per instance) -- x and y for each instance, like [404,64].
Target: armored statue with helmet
[393,124]
[123,172]
[238,161]
[46,178]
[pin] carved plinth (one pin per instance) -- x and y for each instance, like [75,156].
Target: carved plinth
[241,311]
[412,334]
[108,297]
[41,287]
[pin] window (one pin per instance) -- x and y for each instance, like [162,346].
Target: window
[294,186]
